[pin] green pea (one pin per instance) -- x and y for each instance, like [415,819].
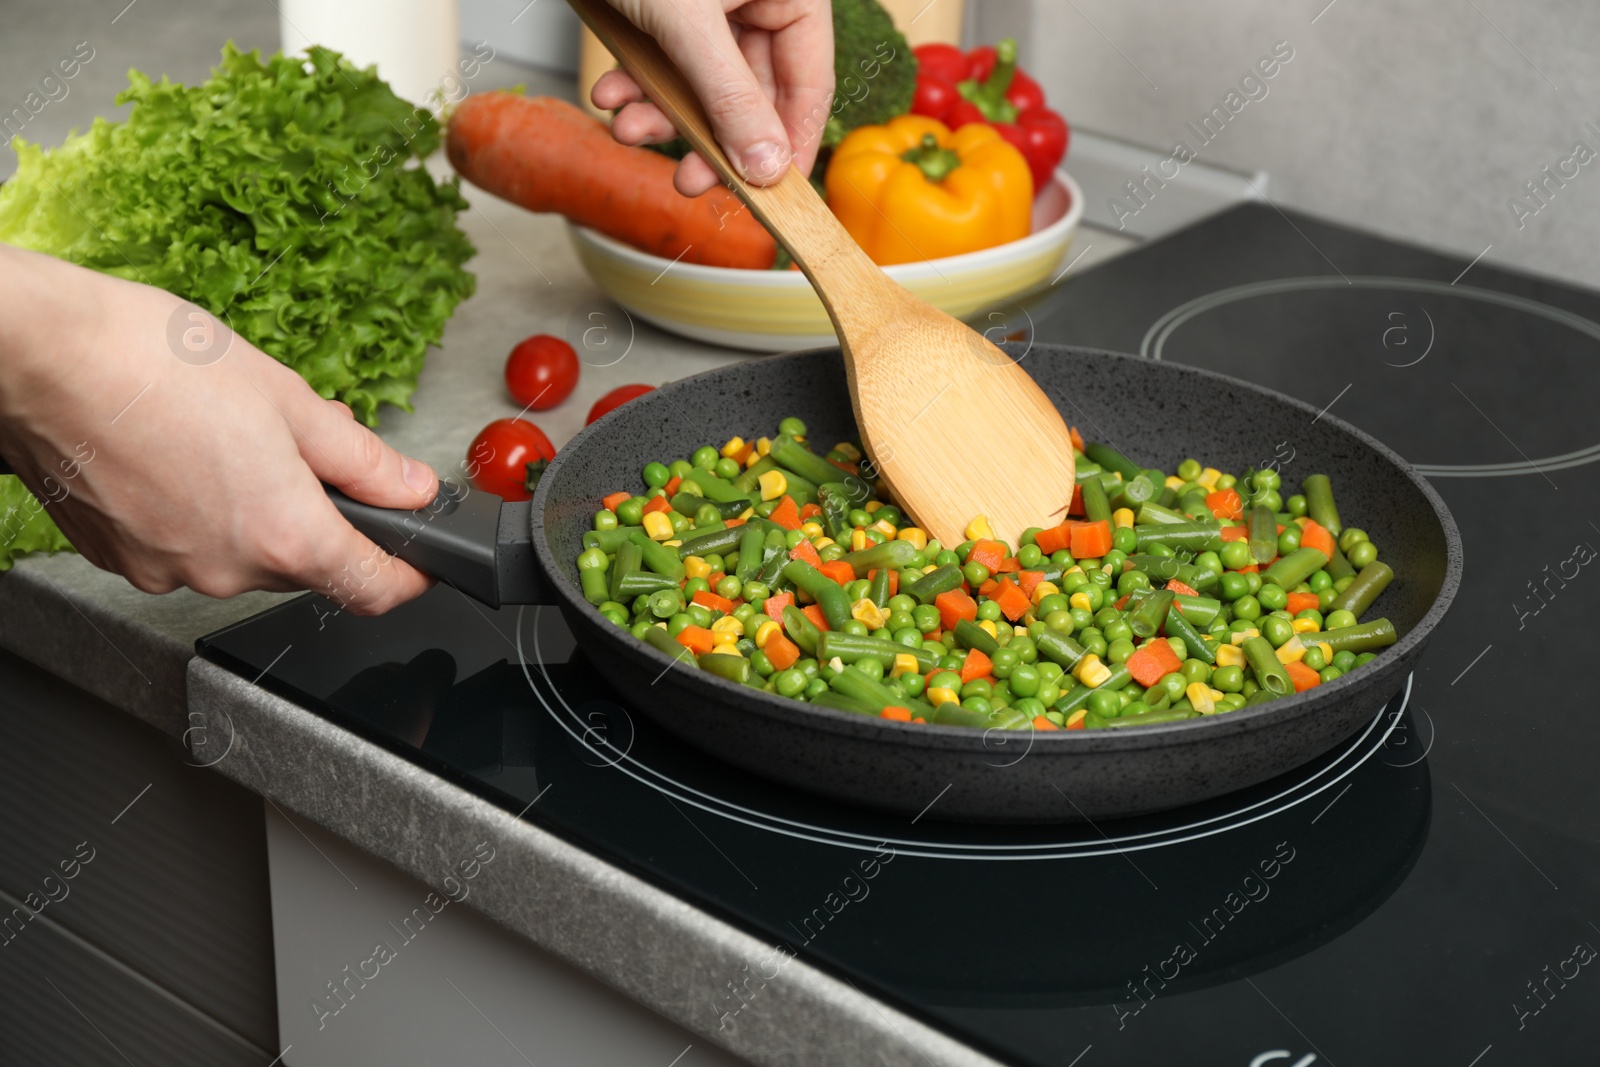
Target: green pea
[908,636]
[792,426]
[1160,551]
[1132,581]
[1030,556]
[1364,658]
[1273,598]
[1004,661]
[945,680]
[1319,581]
[975,573]
[1052,602]
[859,517]
[715,562]
[656,475]
[1289,540]
[945,558]
[704,458]
[1124,540]
[952,661]
[1093,642]
[978,687]
[1364,554]
[1025,681]
[1295,505]
[593,559]
[640,628]
[815,688]
[605,519]
[989,610]
[979,704]
[855,626]
[1328,674]
[695,585]
[699,614]
[1341,584]
[679,522]
[1338,619]
[727,469]
[745,612]
[829,553]
[1252,582]
[1059,621]
[1196,670]
[1025,648]
[1119,650]
[631,511]
[1096,596]
[1118,630]
[1350,538]
[1277,629]
[1228,679]
[1232,585]
[729,587]
[1235,555]
[1114,559]
[1326,598]
[1314,658]
[1247,607]
[789,683]
[925,617]
[615,613]
[912,684]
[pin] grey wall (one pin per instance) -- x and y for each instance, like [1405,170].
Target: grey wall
[1420,120]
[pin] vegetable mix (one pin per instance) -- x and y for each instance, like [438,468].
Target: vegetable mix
[1162,597]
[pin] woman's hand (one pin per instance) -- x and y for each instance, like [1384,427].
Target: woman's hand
[762,68]
[175,465]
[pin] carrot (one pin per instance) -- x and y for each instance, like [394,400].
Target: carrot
[814,613]
[773,606]
[612,500]
[1153,662]
[711,601]
[1009,566]
[1316,536]
[989,553]
[1075,505]
[807,551]
[1178,587]
[1120,604]
[954,606]
[848,468]
[1012,600]
[1056,538]
[1075,437]
[1091,540]
[783,652]
[975,666]
[988,588]
[894,580]
[546,155]
[810,511]
[838,570]
[696,639]
[1235,533]
[731,523]
[1303,677]
[1225,504]
[1299,602]
[1075,720]
[672,485]
[786,514]
[1028,580]
[1042,723]
[898,714]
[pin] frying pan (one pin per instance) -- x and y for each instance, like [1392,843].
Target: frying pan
[1157,413]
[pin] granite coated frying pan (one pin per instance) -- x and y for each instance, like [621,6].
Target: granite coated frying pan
[1157,413]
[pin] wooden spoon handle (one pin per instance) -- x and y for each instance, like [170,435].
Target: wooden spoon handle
[790,208]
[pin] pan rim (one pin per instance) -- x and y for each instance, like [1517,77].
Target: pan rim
[1249,719]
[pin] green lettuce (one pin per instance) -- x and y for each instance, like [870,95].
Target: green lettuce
[25,526]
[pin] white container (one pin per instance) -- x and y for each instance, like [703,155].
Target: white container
[415,43]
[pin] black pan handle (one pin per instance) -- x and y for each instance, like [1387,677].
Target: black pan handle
[466,538]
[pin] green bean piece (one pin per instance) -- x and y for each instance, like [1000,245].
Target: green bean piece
[858,684]
[687,503]
[1008,718]
[717,541]
[1059,649]
[1187,536]
[658,557]
[930,585]
[1263,534]
[952,714]
[829,594]
[834,500]
[1112,460]
[713,488]
[1339,566]
[629,559]
[1202,611]
[665,642]
[1263,660]
[796,458]
[970,635]
[851,647]
[773,557]
[1362,637]
[1359,594]
[840,702]
[1161,568]
[640,582]
[1096,505]
[609,541]
[1180,627]
[596,586]
[1136,492]
[750,477]
[1319,503]
[751,544]
[1147,618]
[896,554]
[801,630]
[1197,577]
[732,668]
[694,532]
[1079,697]
[1151,718]
[1153,514]
[1294,568]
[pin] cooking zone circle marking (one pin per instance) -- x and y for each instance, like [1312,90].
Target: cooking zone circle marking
[1361,748]
[1155,340]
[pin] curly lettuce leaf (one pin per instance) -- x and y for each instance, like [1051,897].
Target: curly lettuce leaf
[25,526]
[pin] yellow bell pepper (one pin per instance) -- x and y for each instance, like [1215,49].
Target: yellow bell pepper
[912,190]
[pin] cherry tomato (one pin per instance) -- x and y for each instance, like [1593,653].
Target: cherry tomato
[541,372]
[615,399]
[498,460]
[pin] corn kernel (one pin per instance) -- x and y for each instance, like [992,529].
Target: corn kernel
[1199,695]
[812,530]
[728,624]
[988,627]
[1307,626]
[1216,695]
[1327,650]
[765,631]
[1230,656]
[747,513]
[1044,589]
[939,696]
[869,613]
[1079,599]
[696,567]
[979,529]
[858,540]
[1076,717]
[1107,568]
[904,663]
[1174,482]
[1208,477]
[1074,569]
[885,528]
[1122,518]
[849,451]
[1291,651]
[676,542]
[1117,475]
[753,458]
[1239,637]
[773,485]
[871,506]
[734,446]
[821,543]
[763,446]
[657,526]
[836,664]
[722,638]
[1090,671]
[918,538]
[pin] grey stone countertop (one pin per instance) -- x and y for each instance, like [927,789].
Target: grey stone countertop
[136,651]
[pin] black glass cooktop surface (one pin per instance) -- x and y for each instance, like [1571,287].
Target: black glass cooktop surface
[1427,892]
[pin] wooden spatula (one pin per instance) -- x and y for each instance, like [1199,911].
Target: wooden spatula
[952,424]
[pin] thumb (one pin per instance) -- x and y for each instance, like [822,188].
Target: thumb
[353,459]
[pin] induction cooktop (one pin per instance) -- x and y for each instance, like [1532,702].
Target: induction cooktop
[1425,893]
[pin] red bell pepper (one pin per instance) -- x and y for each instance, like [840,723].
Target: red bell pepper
[985,85]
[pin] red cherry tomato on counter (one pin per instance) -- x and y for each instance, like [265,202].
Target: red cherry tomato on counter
[541,372]
[498,460]
[615,399]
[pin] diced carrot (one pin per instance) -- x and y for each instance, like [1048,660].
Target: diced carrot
[672,484]
[1076,438]
[955,605]
[934,636]
[1091,540]
[807,551]
[814,613]
[975,666]
[774,605]
[1235,533]
[810,511]
[989,553]
[898,714]
[848,468]
[1303,677]
[894,580]
[1012,600]
[613,499]
[783,652]
[838,570]
[1299,602]
[1055,538]
[988,588]
[1075,505]
[1225,504]
[1178,587]
[707,599]
[1153,662]
[696,639]
[1010,565]
[1075,720]
[1254,568]
[1317,536]
[1028,580]
[1042,723]
[786,514]
[919,718]
[731,523]
[742,456]
[1119,605]
[657,503]
[714,577]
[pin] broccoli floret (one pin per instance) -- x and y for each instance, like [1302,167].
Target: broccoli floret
[875,74]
